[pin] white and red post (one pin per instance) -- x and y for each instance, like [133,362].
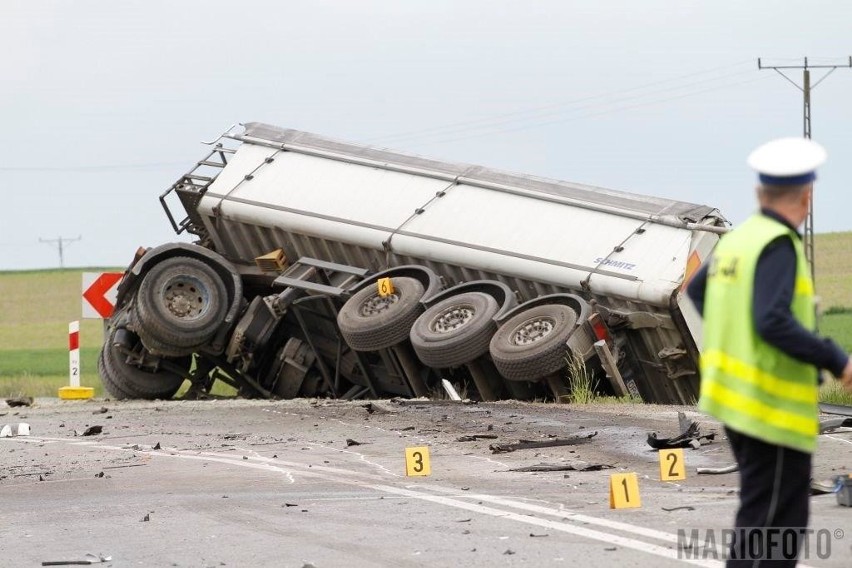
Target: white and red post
[74,354]
[74,390]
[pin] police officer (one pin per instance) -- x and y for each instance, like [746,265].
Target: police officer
[761,356]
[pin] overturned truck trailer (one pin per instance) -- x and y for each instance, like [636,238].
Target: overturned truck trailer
[323,268]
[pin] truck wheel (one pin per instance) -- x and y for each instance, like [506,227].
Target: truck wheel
[455,331]
[181,302]
[533,344]
[110,386]
[369,322]
[129,381]
[154,345]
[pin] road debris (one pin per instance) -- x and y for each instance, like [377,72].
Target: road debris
[670,509]
[101,410]
[831,424]
[718,470]
[535,444]
[373,407]
[18,429]
[690,436]
[89,559]
[20,401]
[351,442]
[450,390]
[475,437]
[93,430]
[570,466]
[157,446]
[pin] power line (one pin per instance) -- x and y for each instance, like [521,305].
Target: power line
[590,114]
[60,242]
[554,109]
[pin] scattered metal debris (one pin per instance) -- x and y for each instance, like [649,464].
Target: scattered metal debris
[351,442]
[20,401]
[844,490]
[431,402]
[450,390]
[475,437]
[570,466]
[93,430]
[822,486]
[533,535]
[829,424]
[670,509]
[157,446]
[372,407]
[534,444]
[146,518]
[89,559]
[126,465]
[690,436]
[718,470]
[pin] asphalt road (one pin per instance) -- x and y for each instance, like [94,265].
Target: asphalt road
[322,483]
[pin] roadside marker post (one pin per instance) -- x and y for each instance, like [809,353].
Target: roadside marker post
[672,465]
[624,491]
[74,390]
[417,461]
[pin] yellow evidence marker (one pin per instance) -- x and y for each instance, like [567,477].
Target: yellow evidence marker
[624,491]
[417,461]
[385,287]
[672,465]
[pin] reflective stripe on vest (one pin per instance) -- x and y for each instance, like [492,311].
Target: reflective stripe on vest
[746,383]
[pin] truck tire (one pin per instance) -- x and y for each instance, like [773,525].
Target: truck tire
[455,331]
[110,386]
[369,322]
[181,302]
[129,381]
[154,345]
[533,344]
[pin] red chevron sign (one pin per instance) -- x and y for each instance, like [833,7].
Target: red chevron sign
[99,292]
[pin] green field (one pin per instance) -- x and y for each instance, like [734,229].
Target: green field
[36,306]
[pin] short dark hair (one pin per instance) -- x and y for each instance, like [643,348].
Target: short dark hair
[782,192]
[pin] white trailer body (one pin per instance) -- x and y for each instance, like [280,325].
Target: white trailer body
[627,255]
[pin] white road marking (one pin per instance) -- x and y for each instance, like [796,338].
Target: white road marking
[338,475]
[838,439]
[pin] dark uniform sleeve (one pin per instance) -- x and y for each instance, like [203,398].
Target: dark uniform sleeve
[696,287]
[774,283]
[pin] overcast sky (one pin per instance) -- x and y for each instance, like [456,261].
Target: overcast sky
[104,103]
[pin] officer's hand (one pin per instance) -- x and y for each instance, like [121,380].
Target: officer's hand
[846,377]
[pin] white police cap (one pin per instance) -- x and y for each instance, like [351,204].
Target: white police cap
[787,161]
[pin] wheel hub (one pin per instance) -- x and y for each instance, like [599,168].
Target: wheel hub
[377,304]
[533,330]
[184,300]
[452,318]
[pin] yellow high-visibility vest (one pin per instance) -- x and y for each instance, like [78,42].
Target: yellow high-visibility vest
[746,383]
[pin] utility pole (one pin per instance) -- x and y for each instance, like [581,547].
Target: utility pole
[60,244]
[806,89]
